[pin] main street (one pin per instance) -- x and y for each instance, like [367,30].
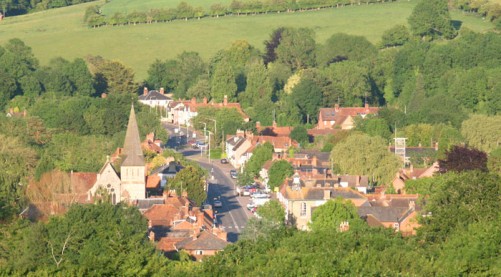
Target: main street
[233,215]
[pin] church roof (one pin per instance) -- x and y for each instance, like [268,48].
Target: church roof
[132,144]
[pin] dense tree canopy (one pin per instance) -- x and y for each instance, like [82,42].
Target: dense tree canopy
[279,170]
[431,19]
[360,154]
[191,180]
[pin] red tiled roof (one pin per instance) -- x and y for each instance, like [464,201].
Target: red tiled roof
[168,244]
[277,142]
[152,181]
[185,225]
[162,214]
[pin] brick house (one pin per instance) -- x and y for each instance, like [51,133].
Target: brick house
[342,118]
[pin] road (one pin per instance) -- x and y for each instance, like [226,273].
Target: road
[233,215]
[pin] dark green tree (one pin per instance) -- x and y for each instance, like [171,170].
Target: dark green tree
[458,200]
[279,170]
[307,96]
[329,216]
[191,180]
[395,36]
[223,82]
[300,134]
[340,47]
[296,48]
[272,211]
[430,18]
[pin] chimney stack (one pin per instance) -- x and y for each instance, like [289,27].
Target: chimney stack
[162,91]
[205,100]
[366,106]
[145,91]
[327,194]
[225,101]
[104,95]
[193,100]
[258,125]
[336,107]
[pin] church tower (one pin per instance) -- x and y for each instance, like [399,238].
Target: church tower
[132,170]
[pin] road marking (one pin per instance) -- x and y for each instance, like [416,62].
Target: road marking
[232,218]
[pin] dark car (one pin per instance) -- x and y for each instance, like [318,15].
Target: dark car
[233,174]
[224,161]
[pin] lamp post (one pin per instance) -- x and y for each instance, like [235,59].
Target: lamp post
[209,144]
[205,136]
[215,128]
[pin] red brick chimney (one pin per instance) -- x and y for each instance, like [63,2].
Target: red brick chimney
[205,100]
[314,161]
[193,100]
[145,91]
[274,124]
[162,91]
[366,107]
[225,101]
[336,107]
[258,125]
[104,95]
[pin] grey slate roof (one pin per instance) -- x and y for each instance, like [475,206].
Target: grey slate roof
[318,194]
[153,95]
[132,144]
[384,214]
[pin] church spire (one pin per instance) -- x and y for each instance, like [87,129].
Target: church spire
[132,144]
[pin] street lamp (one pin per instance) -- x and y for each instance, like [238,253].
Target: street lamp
[215,128]
[209,144]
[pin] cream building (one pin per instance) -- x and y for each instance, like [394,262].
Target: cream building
[130,184]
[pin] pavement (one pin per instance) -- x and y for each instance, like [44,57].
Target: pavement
[233,215]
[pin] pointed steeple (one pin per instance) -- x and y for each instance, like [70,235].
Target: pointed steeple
[132,144]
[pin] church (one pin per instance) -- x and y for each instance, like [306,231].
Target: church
[129,184]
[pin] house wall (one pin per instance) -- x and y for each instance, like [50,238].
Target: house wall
[410,224]
[295,207]
[348,123]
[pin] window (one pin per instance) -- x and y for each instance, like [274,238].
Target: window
[303,209]
[199,252]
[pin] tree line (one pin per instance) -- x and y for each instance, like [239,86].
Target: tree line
[184,11]
[18,7]
[486,8]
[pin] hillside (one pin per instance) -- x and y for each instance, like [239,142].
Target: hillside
[61,32]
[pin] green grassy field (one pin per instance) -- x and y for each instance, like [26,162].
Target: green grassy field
[61,32]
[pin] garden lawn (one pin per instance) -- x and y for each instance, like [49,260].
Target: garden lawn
[61,32]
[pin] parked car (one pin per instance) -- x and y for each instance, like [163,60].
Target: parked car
[247,190]
[233,174]
[199,144]
[260,195]
[224,161]
[218,204]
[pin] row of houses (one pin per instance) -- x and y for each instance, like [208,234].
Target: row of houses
[301,195]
